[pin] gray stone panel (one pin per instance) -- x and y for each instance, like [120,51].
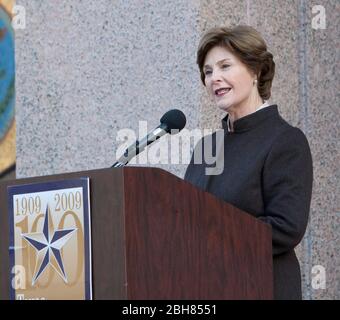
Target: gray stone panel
[321,122]
[87,69]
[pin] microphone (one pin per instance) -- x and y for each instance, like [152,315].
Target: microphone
[171,122]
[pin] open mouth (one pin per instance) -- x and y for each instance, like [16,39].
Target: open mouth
[222,91]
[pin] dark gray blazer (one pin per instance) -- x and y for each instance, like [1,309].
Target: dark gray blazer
[268,173]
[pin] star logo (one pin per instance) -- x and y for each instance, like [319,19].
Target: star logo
[48,244]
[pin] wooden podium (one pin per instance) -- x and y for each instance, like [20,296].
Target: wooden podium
[155,236]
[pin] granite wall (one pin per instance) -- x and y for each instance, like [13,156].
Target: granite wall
[86,70]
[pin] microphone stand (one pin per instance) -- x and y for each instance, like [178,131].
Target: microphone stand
[118,165]
[139,146]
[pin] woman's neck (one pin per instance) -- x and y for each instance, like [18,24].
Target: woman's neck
[239,112]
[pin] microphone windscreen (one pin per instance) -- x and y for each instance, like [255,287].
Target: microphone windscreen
[174,119]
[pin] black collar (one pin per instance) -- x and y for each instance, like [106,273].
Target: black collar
[252,120]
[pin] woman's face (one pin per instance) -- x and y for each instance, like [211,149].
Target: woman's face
[228,81]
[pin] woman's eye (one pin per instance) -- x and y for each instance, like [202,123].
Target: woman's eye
[207,72]
[225,66]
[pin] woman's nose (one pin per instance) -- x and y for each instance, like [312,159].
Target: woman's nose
[216,75]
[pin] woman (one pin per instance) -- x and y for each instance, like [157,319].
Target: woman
[267,162]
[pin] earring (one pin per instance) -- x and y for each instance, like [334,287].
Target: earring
[255,82]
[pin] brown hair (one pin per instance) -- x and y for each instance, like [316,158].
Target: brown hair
[248,45]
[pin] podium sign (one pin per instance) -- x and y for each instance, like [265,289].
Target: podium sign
[50,240]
